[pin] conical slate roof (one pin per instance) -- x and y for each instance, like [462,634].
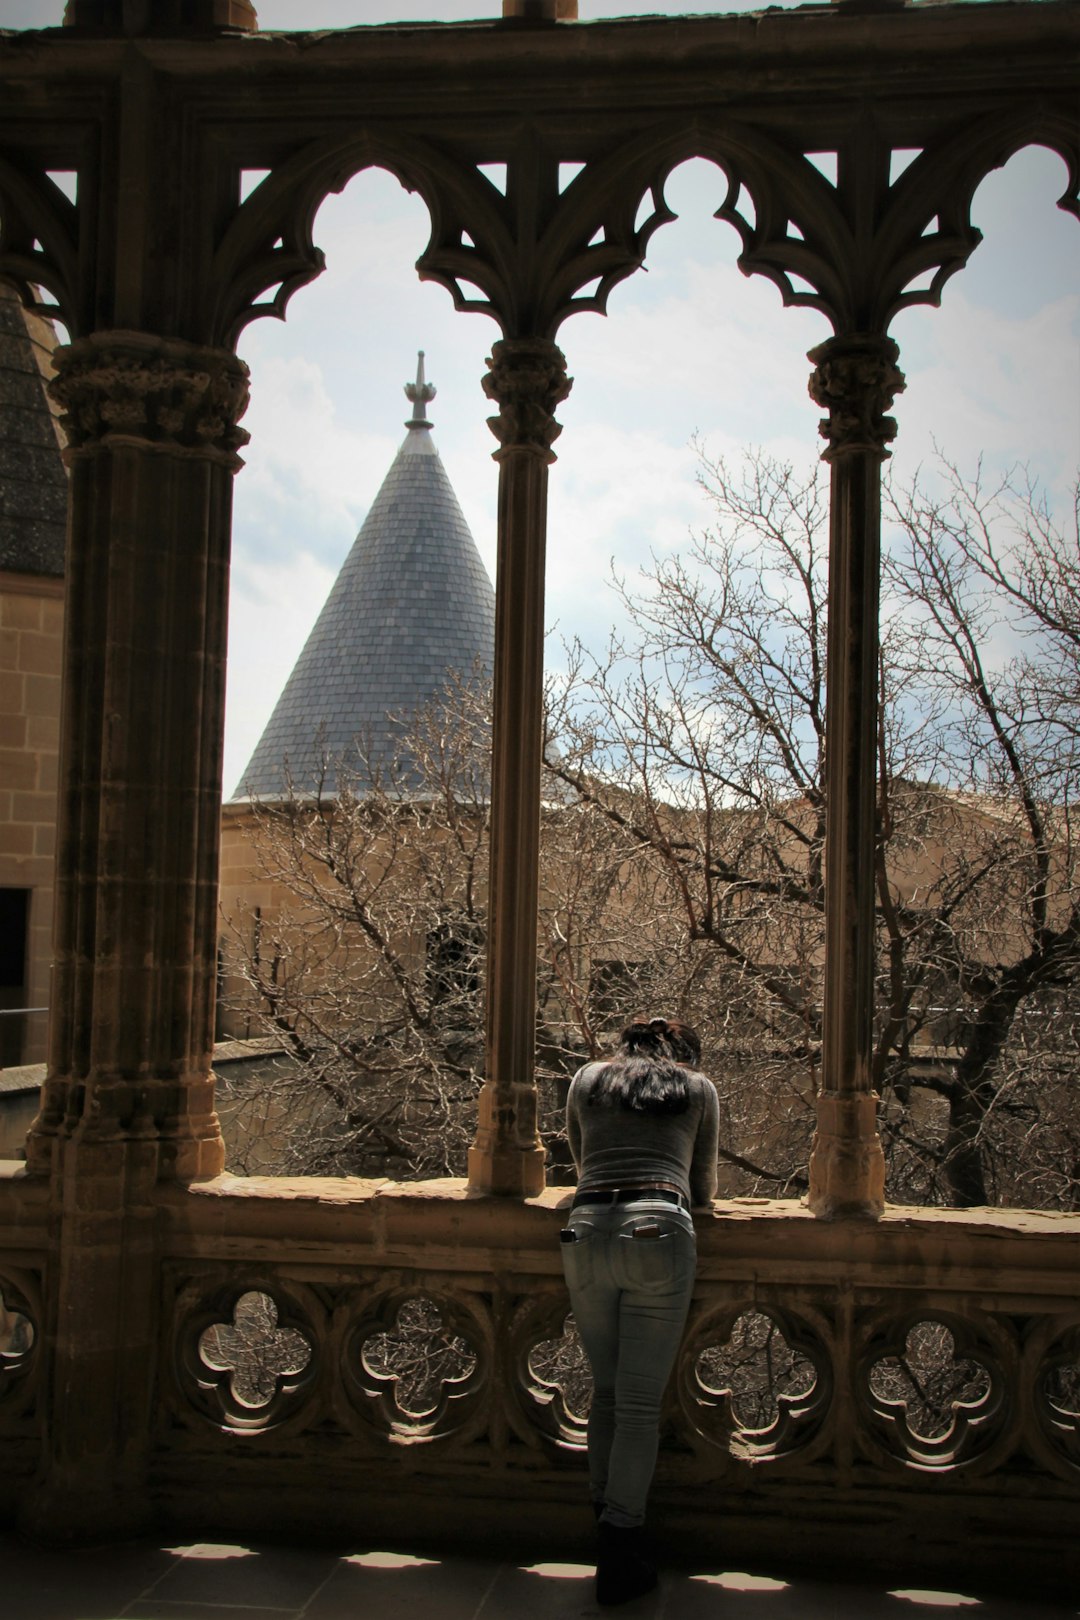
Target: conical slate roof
[33,483]
[411,606]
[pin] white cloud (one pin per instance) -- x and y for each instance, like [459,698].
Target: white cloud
[985,383]
[308,480]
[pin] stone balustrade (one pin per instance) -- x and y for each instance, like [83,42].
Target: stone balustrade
[340,1358]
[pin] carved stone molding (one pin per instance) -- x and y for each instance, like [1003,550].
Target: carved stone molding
[856,379]
[132,388]
[527,379]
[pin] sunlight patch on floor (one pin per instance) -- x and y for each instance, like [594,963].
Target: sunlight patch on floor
[387,1560]
[559,1572]
[211,1549]
[938,1600]
[736,1581]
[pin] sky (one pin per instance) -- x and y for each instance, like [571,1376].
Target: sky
[689,349]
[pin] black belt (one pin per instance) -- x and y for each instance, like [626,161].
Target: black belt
[631,1195]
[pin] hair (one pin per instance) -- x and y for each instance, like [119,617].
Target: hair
[645,1076]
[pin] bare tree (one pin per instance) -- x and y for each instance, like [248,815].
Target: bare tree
[985,588]
[369,968]
[682,863]
[700,738]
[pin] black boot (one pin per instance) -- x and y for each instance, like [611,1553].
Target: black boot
[623,1571]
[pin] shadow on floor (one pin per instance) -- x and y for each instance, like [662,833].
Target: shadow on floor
[208,1582]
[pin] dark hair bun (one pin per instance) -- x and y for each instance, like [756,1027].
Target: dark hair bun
[663,1038]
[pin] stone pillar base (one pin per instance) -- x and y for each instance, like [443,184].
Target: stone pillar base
[507,1173]
[847,1166]
[507,1158]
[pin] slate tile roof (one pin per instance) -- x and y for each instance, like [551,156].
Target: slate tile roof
[33,483]
[412,603]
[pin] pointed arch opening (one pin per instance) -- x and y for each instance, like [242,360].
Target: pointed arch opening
[326,417]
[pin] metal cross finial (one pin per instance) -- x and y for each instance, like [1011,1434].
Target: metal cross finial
[421,393]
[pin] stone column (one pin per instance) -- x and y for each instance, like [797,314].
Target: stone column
[153,441]
[151,426]
[855,380]
[527,379]
[541,10]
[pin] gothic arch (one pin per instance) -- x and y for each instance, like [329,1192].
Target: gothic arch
[535,254]
[39,240]
[941,183]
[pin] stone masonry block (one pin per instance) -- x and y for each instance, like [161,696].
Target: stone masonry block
[36,871]
[16,839]
[12,692]
[14,731]
[43,694]
[33,807]
[43,732]
[39,654]
[18,770]
[20,612]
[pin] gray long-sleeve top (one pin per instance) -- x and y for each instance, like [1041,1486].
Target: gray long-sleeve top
[618,1147]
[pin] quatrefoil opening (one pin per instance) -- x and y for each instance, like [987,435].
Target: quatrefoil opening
[936,1399]
[1057,1397]
[417,1366]
[559,1378]
[1061,1386]
[18,1336]
[254,1366]
[765,1380]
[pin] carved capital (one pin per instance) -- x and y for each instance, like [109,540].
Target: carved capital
[856,379]
[132,388]
[526,378]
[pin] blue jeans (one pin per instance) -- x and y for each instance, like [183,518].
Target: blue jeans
[630,1271]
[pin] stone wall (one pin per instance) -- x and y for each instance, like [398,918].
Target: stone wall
[31,631]
[33,521]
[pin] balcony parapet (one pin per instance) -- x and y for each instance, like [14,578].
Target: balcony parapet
[341,1359]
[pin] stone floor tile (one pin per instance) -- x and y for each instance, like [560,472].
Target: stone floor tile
[202,1582]
[550,1591]
[93,1584]
[730,1595]
[924,1604]
[736,1596]
[393,1586]
[151,1609]
[275,1579]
